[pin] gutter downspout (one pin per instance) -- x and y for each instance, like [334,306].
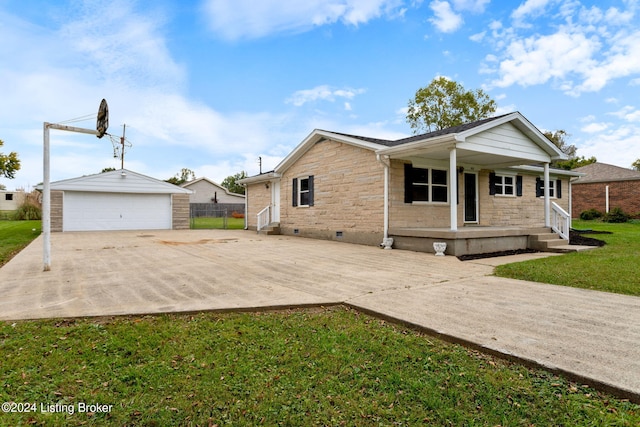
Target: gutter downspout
[387,164]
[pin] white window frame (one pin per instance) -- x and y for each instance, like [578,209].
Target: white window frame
[301,192]
[552,188]
[501,186]
[430,185]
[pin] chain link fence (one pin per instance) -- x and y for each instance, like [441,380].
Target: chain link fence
[217,215]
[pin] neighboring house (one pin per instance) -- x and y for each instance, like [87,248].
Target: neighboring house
[11,200]
[207,191]
[604,187]
[118,200]
[465,186]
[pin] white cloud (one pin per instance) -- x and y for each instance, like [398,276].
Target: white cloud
[476,6]
[617,145]
[595,127]
[528,8]
[584,53]
[323,92]
[445,19]
[477,37]
[537,59]
[247,19]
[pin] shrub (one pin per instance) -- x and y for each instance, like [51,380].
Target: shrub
[616,215]
[591,214]
[30,209]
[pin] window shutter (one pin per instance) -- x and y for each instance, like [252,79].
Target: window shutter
[559,189]
[539,185]
[519,185]
[492,184]
[310,190]
[294,197]
[408,183]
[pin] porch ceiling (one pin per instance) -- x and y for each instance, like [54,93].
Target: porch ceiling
[488,159]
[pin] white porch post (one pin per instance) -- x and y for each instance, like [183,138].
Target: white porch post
[453,188]
[547,201]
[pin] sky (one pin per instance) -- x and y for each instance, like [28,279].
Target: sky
[212,85]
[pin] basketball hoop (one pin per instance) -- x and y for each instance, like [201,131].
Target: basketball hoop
[102,123]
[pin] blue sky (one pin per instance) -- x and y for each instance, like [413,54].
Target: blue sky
[211,85]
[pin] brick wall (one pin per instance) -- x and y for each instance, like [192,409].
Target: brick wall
[180,211]
[258,198]
[348,194]
[622,194]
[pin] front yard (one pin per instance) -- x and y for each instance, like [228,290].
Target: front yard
[304,367]
[614,267]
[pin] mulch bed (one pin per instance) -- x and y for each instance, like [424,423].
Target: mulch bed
[576,237]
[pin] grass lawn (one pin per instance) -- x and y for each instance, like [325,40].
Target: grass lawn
[218,223]
[612,268]
[15,236]
[316,367]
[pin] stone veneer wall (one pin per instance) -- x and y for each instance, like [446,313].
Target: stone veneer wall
[525,211]
[180,217]
[497,211]
[348,195]
[592,195]
[57,200]
[258,198]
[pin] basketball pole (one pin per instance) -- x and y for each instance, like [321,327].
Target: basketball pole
[46,187]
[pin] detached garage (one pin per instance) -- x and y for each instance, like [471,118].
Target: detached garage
[118,200]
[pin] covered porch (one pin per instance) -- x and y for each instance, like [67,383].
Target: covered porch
[499,146]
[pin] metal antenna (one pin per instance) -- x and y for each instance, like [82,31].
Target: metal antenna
[120,145]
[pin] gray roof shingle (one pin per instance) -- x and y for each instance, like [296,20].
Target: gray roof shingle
[602,172]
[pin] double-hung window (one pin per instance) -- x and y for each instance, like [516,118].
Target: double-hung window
[302,194]
[555,188]
[425,185]
[505,185]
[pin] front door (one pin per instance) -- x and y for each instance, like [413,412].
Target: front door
[275,201]
[471,198]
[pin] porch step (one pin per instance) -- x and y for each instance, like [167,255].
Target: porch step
[271,229]
[549,241]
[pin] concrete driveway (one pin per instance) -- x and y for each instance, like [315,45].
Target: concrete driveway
[592,336]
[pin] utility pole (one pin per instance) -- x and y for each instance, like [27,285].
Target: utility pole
[124,128]
[260,163]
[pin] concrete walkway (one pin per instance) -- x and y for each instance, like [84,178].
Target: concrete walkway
[591,336]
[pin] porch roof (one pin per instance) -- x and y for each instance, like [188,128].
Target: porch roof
[508,140]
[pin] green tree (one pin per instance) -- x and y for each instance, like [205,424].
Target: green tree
[9,163]
[446,103]
[559,138]
[636,165]
[185,175]
[108,170]
[231,183]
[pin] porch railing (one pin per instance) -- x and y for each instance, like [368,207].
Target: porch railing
[560,221]
[264,218]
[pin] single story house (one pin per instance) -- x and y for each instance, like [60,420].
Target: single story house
[604,187]
[480,187]
[118,200]
[207,191]
[11,200]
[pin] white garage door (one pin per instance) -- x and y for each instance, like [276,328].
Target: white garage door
[85,211]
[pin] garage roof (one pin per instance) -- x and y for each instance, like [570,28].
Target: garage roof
[118,181]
